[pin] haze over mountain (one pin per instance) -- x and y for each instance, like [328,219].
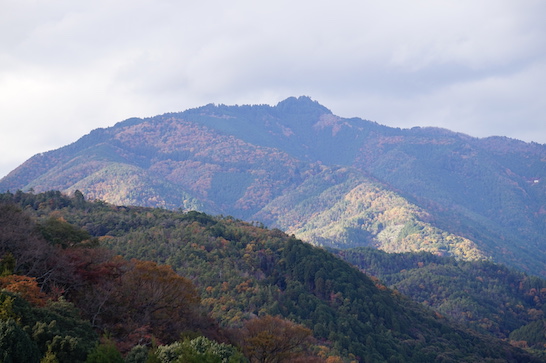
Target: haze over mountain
[329,180]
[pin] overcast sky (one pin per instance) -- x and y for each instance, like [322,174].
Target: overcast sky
[70,66]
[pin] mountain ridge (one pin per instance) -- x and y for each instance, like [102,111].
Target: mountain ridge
[247,160]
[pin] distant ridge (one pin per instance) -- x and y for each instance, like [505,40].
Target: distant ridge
[332,181]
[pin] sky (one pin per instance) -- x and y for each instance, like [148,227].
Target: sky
[70,66]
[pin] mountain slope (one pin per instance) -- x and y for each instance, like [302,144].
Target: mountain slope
[485,296]
[340,207]
[242,270]
[281,165]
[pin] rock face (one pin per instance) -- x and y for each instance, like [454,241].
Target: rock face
[329,180]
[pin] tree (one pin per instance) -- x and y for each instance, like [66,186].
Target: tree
[137,354]
[59,329]
[18,238]
[105,352]
[199,350]
[15,344]
[26,286]
[61,233]
[145,300]
[79,198]
[7,264]
[270,339]
[24,251]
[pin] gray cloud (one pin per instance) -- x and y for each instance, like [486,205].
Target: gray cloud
[69,67]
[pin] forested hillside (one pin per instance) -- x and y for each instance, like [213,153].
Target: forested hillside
[329,180]
[230,289]
[485,296]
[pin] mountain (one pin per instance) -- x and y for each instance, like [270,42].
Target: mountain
[231,276]
[329,180]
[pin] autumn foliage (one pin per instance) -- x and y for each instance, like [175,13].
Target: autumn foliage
[201,288]
[270,339]
[26,286]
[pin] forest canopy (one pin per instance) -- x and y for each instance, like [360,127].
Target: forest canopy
[210,287]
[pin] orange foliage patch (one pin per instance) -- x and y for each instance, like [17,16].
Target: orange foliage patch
[26,286]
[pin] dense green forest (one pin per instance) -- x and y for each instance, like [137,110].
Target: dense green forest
[485,296]
[89,281]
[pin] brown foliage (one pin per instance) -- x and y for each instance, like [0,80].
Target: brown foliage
[270,339]
[33,255]
[18,237]
[155,295]
[135,300]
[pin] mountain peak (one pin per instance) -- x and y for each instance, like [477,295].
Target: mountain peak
[302,104]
